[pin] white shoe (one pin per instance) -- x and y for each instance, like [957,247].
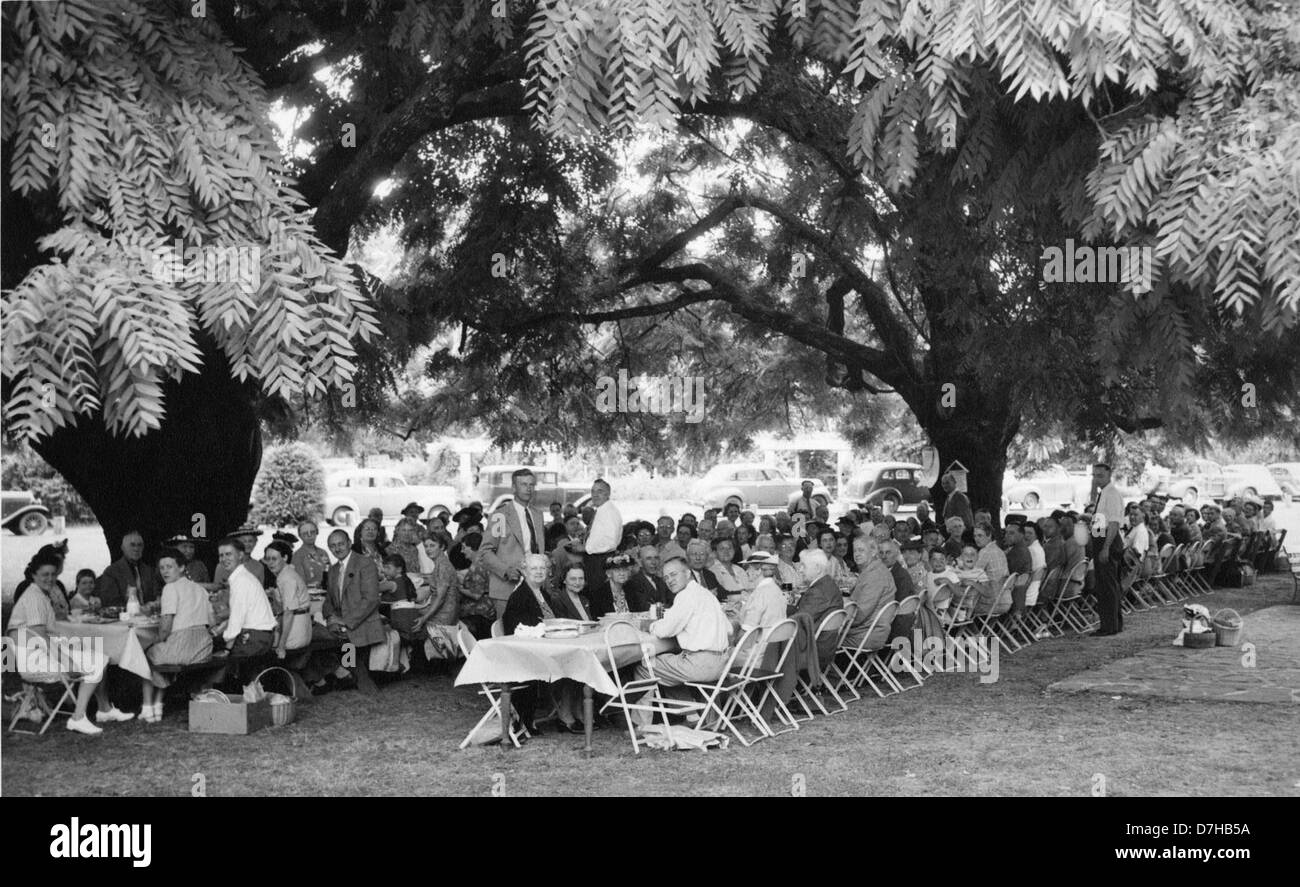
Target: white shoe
[34,715]
[113,714]
[83,725]
[692,719]
[147,714]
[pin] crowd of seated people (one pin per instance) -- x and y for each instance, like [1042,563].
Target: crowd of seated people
[298,602]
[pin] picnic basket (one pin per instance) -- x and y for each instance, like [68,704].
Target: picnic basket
[1227,626]
[1200,640]
[285,708]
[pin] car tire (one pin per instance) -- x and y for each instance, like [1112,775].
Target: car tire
[1250,491]
[1189,496]
[343,516]
[33,524]
[821,500]
[1031,500]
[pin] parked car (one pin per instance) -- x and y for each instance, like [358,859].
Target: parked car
[1287,475]
[1252,480]
[754,483]
[1053,487]
[493,482]
[21,512]
[1202,481]
[890,485]
[350,494]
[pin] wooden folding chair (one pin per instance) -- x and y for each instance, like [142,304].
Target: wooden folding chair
[31,699]
[490,693]
[834,624]
[862,657]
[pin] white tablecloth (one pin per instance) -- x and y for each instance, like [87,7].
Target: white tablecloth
[584,659]
[123,645]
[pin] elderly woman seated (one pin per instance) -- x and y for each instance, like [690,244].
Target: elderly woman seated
[530,604]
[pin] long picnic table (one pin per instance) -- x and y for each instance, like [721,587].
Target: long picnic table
[513,659]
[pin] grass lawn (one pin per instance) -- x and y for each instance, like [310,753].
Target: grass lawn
[954,736]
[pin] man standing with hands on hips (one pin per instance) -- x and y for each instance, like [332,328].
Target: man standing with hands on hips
[1107,549]
[604,535]
[514,531]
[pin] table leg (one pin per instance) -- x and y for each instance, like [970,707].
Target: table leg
[588,714]
[505,716]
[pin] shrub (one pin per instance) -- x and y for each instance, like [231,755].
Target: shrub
[24,470]
[290,486]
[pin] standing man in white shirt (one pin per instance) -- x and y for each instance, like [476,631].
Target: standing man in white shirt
[1107,549]
[604,534]
[251,625]
[702,630]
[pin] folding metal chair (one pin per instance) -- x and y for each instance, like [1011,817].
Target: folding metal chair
[908,606]
[834,624]
[1069,609]
[783,633]
[862,657]
[722,698]
[622,635]
[993,625]
[492,694]
[961,624]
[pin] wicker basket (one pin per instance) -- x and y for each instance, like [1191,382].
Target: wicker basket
[283,712]
[1201,640]
[1227,626]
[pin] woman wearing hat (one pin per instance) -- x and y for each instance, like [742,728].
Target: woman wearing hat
[766,605]
[193,569]
[469,535]
[610,596]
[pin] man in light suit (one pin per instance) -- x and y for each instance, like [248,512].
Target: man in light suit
[351,606]
[514,530]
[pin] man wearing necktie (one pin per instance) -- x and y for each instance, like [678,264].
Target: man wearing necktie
[514,530]
[127,572]
[1107,550]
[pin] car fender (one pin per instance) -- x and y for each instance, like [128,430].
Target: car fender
[715,497]
[879,495]
[13,520]
[337,500]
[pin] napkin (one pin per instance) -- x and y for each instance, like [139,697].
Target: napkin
[530,631]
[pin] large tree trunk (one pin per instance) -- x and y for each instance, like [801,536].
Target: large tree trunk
[194,475]
[975,432]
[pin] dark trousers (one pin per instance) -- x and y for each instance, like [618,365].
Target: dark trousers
[593,565]
[1108,594]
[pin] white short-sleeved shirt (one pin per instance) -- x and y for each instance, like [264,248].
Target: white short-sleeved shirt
[187,603]
[31,610]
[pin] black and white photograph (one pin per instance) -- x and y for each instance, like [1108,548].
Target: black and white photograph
[654,398]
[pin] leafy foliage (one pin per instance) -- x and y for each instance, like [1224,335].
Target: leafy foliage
[140,127]
[290,486]
[24,470]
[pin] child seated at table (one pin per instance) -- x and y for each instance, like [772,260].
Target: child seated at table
[440,602]
[395,585]
[83,595]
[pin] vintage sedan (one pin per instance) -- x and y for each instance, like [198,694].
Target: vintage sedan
[890,485]
[349,495]
[763,486]
[1252,481]
[1202,481]
[1054,487]
[21,512]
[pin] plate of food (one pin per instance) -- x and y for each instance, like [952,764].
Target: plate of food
[562,633]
